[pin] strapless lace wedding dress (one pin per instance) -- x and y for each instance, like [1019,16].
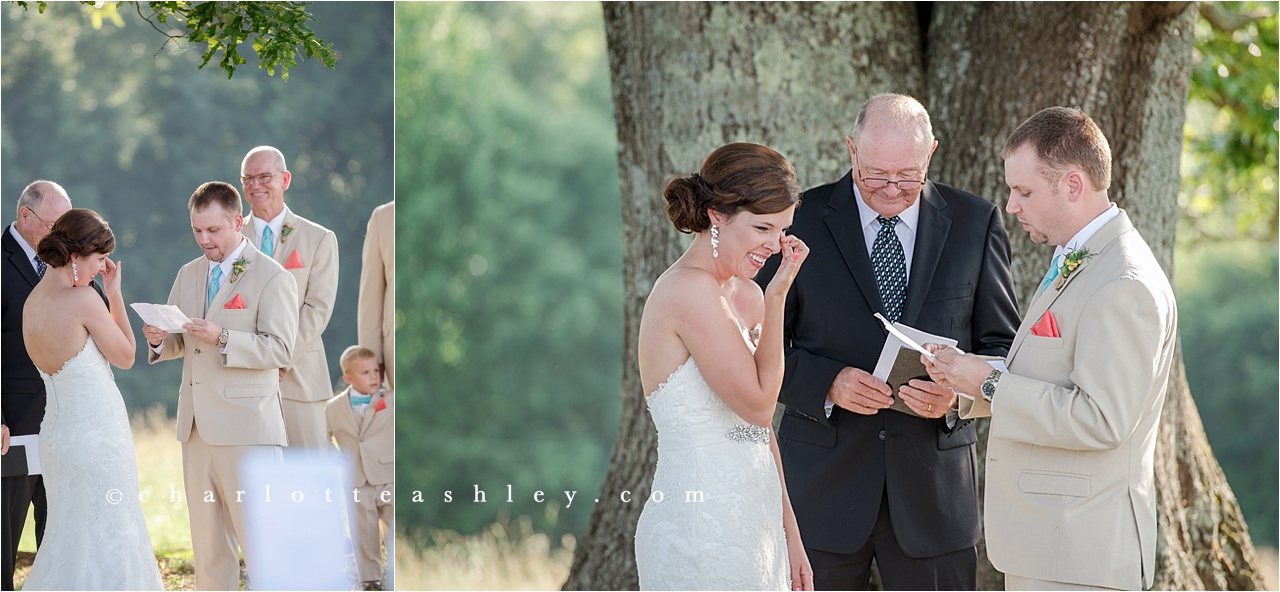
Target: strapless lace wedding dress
[96,537]
[718,525]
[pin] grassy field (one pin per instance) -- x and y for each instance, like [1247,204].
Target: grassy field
[503,557]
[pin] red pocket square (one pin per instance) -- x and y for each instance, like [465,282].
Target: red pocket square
[236,303]
[382,404]
[294,262]
[1047,326]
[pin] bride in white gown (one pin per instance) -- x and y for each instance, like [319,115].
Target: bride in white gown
[711,357]
[96,537]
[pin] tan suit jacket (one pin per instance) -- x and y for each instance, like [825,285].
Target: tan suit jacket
[235,396]
[1070,485]
[376,320]
[307,377]
[367,441]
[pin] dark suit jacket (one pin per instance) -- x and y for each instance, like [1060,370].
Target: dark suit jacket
[21,387]
[837,469]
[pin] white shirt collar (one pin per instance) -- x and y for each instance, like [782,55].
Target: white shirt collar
[22,242]
[227,261]
[909,216]
[276,224]
[1088,231]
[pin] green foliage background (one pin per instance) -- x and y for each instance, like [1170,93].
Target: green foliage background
[130,127]
[509,263]
[510,260]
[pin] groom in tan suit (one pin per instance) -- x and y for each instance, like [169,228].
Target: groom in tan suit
[309,252]
[241,333]
[1071,498]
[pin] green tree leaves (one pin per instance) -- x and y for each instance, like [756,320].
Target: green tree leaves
[280,31]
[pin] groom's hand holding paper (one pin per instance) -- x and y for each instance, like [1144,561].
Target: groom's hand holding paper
[165,317]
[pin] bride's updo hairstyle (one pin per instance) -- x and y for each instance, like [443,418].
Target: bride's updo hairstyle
[734,177]
[80,231]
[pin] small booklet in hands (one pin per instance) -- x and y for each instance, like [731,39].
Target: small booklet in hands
[899,361]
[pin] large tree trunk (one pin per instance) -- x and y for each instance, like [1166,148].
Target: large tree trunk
[689,77]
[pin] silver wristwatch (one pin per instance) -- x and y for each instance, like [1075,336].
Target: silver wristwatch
[223,337]
[989,385]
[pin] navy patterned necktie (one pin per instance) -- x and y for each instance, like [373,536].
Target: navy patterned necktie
[890,265]
[40,267]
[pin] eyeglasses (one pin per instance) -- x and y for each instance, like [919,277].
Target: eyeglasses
[261,179]
[906,185]
[47,225]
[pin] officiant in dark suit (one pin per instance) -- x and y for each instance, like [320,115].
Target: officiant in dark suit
[41,203]
[868,482]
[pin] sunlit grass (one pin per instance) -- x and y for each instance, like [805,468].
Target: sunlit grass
[503,557]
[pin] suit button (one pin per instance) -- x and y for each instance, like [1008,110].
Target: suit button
[881,435]
[197,350]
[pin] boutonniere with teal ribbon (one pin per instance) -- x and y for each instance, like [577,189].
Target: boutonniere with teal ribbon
[238,268]
[284,232]
[1071,263]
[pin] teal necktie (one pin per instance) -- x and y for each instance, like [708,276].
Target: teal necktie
[1049,276]
[215,282]
[268,242]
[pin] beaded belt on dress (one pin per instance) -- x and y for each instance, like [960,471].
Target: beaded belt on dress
[749,433]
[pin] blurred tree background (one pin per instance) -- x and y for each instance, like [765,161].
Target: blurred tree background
[130,127]
[509,240]
[510,262]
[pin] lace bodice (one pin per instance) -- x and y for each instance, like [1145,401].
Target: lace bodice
[694,416]
[73,389]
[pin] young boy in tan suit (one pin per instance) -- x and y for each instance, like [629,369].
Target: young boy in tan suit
[361,420]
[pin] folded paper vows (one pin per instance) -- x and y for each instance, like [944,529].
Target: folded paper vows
[911,343]
[161,316]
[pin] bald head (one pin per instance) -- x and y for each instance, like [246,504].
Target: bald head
[897,115]
[40,205]
[267,155]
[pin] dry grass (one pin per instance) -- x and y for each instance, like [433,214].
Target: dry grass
[503,557]
[1270,564]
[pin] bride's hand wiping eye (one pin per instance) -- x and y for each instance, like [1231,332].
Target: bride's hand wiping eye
[794,252]
[111,275]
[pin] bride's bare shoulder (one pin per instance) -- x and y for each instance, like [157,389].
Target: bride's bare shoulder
[681,285]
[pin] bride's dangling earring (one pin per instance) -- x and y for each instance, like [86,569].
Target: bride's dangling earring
[75,273]
[715,241]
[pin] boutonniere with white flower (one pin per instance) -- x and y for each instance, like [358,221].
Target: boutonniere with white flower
[284,232]
[238,268]
[1071,263]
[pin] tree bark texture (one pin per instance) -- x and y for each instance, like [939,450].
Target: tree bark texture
[689,77]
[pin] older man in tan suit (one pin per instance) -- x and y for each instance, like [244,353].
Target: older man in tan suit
[376,319]
[1070,490]
[242,331]
[309,252]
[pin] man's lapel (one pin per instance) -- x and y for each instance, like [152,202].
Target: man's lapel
[845,226]
[1098,245]
[284,246]
[366,420]
[18,258]
[228,287]
[931,235]
[349,414]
